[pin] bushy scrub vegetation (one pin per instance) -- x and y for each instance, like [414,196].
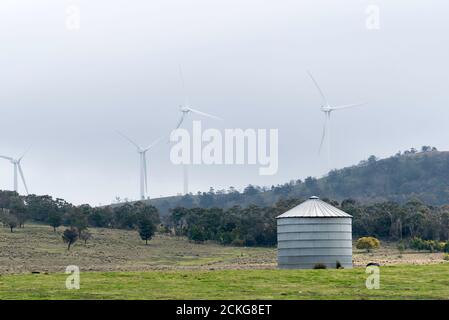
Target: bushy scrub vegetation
[431,245]
[367,243]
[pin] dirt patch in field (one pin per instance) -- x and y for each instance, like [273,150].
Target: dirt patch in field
[388,254]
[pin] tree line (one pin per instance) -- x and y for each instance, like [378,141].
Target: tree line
[242,226]
[16,210]
[256,226]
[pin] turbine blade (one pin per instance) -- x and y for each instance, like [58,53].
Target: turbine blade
[23,177]
[323,136]
[204,114]
[7,158]
[129,140]
[23,155]
[180,120]
[155,142]
[318,87]
[184,91]
[145,179]
[348,106]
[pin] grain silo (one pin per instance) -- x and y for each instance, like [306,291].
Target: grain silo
[312,233]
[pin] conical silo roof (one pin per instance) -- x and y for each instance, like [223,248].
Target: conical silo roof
[314,208]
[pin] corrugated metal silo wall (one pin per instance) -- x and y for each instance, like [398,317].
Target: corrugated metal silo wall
[305,242]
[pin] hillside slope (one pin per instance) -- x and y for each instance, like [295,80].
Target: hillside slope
[122,250]
[412,175]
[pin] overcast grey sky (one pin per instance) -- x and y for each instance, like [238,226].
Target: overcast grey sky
[65,92]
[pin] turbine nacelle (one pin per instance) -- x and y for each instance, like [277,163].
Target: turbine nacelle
[184,109]
[326,108]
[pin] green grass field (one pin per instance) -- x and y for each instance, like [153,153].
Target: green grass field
[397,282]
[116,264]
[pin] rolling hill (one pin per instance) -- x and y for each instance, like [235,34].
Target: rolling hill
[410,175]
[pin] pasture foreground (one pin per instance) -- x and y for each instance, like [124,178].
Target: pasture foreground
[116,264]
[397,282]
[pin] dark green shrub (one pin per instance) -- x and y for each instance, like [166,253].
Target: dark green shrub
[401,247]
[196,234]
[70,236]
[446,247]
[417,243]
[238,242]
[146,228]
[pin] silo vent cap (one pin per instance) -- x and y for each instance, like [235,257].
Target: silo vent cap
[314,198]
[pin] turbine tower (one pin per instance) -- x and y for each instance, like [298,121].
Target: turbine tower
[185,109]
[17,169]
[327,109]
[143,164]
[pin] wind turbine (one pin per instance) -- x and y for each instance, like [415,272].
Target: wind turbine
[185,110]
[327,109]
[17,169]
[143,164]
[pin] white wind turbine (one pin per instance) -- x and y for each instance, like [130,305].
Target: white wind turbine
[17,169]
[327,109]
[185,109]
[143,164]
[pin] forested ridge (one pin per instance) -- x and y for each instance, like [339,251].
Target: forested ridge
[411,175]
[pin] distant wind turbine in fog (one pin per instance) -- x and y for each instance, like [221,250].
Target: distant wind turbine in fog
[327,109]
[17,169]
[143,164]
[185,109]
